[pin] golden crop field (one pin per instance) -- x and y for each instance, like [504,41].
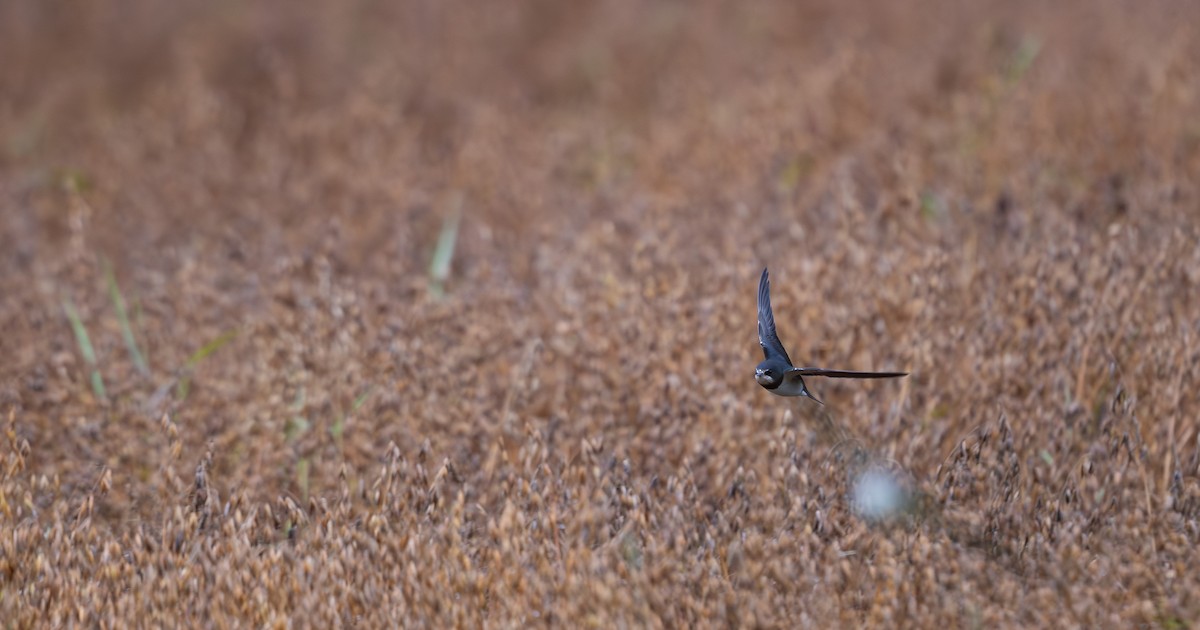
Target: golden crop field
[441,314]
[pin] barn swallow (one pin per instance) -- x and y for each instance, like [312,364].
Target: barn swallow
[777,374]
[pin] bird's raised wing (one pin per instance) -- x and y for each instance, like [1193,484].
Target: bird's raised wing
[815,371]
[767,338]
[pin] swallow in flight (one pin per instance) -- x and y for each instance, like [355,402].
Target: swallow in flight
[776,373]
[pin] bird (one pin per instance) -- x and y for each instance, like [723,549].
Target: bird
[776,373]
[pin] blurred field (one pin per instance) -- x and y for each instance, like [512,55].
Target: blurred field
[235,394]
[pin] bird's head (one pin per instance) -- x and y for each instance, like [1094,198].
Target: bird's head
[767,376]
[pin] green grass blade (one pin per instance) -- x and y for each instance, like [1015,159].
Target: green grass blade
[302,476]
[443,253]
[210,347]
[86,348]
[298,425]
[118,300]
[362,398]
[1022,60]
[339,426]
[183,385]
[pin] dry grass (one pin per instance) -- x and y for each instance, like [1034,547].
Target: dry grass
[300,419]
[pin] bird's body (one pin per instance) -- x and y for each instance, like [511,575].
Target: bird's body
[776,373]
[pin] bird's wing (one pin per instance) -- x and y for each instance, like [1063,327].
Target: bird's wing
[767,338]
[815,371]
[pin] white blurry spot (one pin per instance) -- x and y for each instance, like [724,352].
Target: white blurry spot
[878,495]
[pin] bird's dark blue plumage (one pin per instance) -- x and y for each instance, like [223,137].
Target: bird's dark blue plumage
[776,373]
[767,337]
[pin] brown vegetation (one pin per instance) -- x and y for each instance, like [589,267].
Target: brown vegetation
[233,395]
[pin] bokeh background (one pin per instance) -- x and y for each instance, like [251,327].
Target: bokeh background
[373,313]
